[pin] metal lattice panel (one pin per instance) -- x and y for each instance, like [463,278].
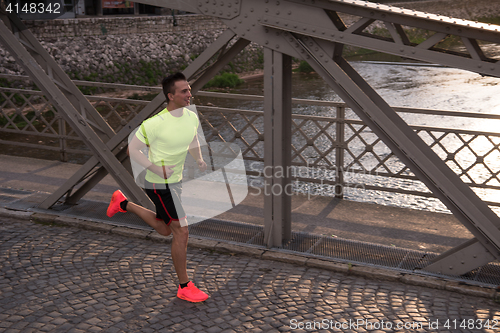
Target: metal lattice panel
[319,144]
[116,111]
[245,128]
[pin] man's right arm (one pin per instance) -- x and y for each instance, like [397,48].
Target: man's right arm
[135,151]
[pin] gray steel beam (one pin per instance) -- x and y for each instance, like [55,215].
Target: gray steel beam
[461,259]
[73,197]
[67,110]
[272,231]
[408,17]
[451,59]
[277,143]
[283,138]
[112,144]
[217,46]
[405,143]
[394,18]
[222,61]
[58,76]
[87,113]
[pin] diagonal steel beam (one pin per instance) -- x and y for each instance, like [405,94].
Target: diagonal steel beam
[87,113]
[58,76]
[222,61]
[461,259]
[113,145]
[405,143]
[218,45]
[67,110]
[368,11]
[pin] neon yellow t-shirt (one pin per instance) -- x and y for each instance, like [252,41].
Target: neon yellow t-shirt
[168,138]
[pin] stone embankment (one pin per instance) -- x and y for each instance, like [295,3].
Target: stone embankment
[115,50]
[131,59]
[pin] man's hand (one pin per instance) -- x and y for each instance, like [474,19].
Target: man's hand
[167,171]
[164,171]
[202,165]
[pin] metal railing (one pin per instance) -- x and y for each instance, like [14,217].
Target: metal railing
[334,150]
[338,152]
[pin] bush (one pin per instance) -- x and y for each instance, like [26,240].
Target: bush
[226,80]
[304,67]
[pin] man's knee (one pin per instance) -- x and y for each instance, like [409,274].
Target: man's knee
[180,229]
[164,231]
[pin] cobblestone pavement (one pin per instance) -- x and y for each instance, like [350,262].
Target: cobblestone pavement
[61,279]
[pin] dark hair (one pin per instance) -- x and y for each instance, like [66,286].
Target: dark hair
[168,83]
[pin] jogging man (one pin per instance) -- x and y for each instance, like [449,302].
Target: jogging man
[169,136]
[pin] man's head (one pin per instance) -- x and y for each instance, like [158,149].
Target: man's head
[177,90]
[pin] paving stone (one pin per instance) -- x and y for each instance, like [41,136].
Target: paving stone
[73,280]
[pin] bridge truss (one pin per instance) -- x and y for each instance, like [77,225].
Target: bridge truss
[316,31]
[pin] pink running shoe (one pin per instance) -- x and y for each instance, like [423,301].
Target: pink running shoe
[191,293]
[114,205]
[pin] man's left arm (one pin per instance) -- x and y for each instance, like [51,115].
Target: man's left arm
[195,151]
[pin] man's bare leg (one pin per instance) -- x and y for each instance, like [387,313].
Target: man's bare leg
[149,217]
[179,249]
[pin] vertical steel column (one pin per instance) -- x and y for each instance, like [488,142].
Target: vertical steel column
[269,225]
[339,153]
[283,139]
[63,145]
[277,147]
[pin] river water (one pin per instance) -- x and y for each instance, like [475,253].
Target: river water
[401,85]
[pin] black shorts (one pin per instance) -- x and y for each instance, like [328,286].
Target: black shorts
[167,199]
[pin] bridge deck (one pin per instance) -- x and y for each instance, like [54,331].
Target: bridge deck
[342,227]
